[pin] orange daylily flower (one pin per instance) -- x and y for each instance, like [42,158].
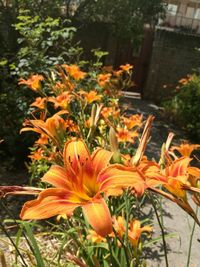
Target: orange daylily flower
[37,155]
[103,79]
[88,123]
[54,128]
[184,81]
[194,175]
[133,121]
[81,182]
[135,231]
[64,86]
[124,135]
[91,96]
[174,177]
[94,237]
[108,68]
[126,67]
[152,173]
[119,225]
[74,71]
[117,72]
[177,176]
[185,149]
[43,140]
[110,112]
[71,126]
[39,103]
[62,100]
[34,82]
[59,87]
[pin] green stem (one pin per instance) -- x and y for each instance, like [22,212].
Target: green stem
[127,216]
[162,230]
[13,218]
[13,243]
[112,260]
[124,247]
[191,239]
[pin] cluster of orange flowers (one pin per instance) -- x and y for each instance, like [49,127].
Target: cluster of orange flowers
[96,107]
[81,178]
[119,224]
[85,177]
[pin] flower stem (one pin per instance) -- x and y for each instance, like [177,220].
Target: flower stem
[17,224]
[127,202]
[13,243]
[124,247]
[162,230]
[112,260]
[191,239]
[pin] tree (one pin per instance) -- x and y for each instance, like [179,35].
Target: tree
[125,18]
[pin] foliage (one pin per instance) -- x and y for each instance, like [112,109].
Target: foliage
[88,163]
[125,18]
[35,35]
[184,106]
[75,96]
[13,108]
[91,156]
[42,43]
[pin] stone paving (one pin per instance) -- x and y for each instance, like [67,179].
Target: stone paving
[176,221]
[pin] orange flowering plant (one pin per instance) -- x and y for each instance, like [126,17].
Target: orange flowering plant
[75,103]
[91,169]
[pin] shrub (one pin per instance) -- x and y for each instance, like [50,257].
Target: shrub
[184,106]
[43,42]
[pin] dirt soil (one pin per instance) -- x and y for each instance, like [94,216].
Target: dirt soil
[175,220]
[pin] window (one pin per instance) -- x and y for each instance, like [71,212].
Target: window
[197,13]
[172,9]
[191,11]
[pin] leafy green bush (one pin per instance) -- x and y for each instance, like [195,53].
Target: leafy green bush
[43,42]
[184,107]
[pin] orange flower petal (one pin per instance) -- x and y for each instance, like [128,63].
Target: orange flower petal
[76,155]
[98,216]
[118,176]
[57,176]
[100,159]
[175,187]
[49,203]
[179,167]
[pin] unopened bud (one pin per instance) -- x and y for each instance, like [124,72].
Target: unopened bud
[113,140]
[93,115]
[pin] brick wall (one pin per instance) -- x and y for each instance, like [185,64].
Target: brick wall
[174,55]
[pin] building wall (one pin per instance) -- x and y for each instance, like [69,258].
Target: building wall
[183,14]
[174,55]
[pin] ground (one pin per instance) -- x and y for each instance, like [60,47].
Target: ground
[176,221]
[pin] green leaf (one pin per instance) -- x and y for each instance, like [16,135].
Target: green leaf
[33,241]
